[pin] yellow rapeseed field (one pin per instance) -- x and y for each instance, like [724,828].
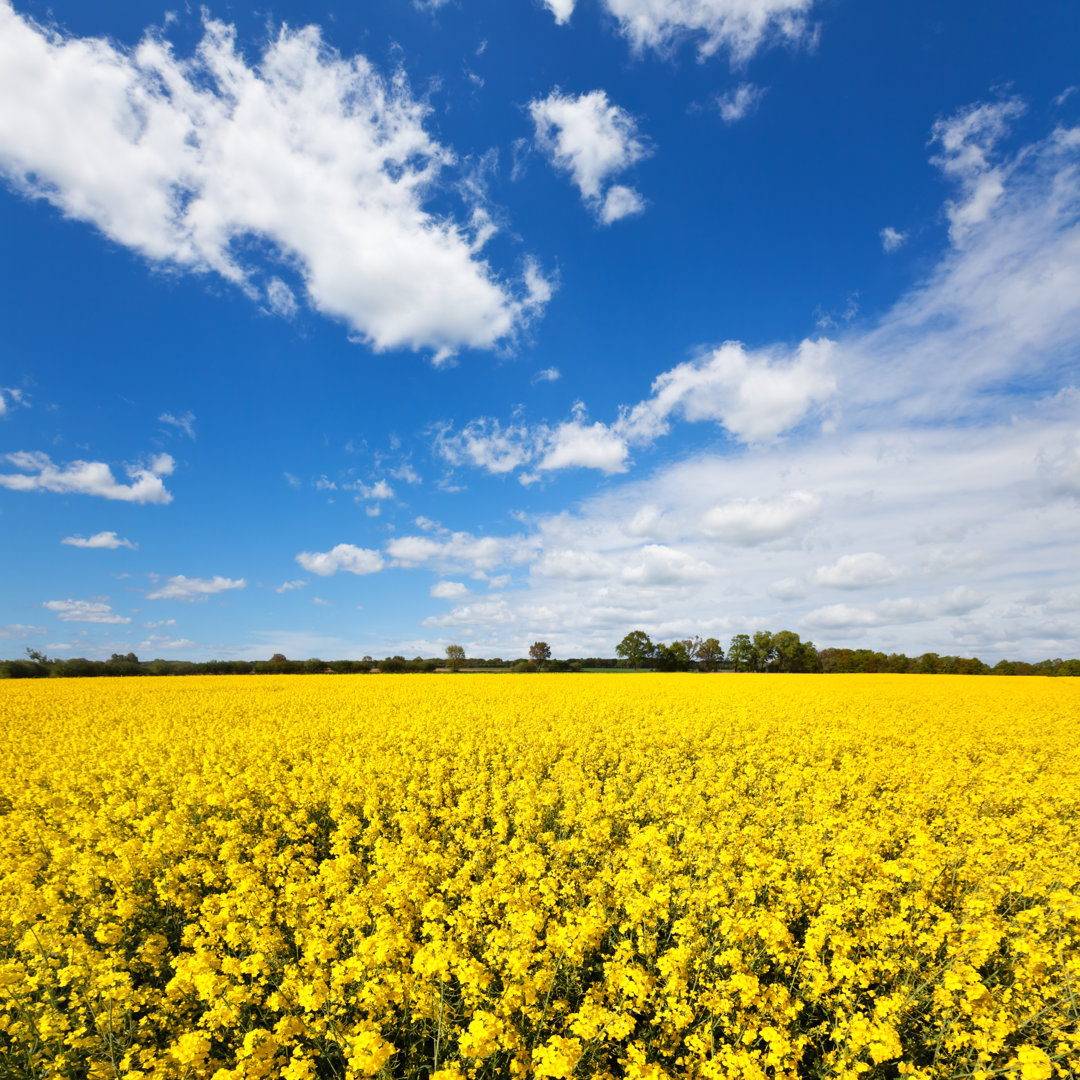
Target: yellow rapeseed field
[551,876]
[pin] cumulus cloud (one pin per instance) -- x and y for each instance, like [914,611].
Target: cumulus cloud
[746,522]
[569,564]
[592,140]
[185,588]
[561,9]
[860,571]
[739,102]
[756,394]
[449,590]
[551,374]
[740,27]
[318,155]
[458,550]
[38,473]
[85,611]
[578,444]
[658,564]
[99,540]
[346,558]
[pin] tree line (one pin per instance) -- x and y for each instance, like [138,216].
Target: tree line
[762,651]
[784,651]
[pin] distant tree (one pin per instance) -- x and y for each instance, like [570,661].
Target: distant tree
[764,652]
[673,657]
[790,653]
[455,657]
[539,653]
[741,652]
[710,654]
[635,648]
[278,658]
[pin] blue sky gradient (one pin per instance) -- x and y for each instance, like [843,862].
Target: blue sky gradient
[362,332]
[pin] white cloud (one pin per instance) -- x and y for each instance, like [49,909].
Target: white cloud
[957,416]
[568,564]
[789,588]
[561,9]
[89,478]
[967,140]
[551,374]
[18,630]
[739,102]
[85,611]
[293,481]
[9,393]
[459,550]
[449,590]
[346,558]
[161,643]
[740,27]
[959,601]
[757,395]
[892,239]
[185,588]
[484,443]
[281,299]
[379,490]
[185,423]
[1060,466]
[657,564]
[289,586]
[318,155]
[99,540]
[747,522]
[577,444]
[860,571]
[593,141]
[406,472]
[156,623]
[619,202]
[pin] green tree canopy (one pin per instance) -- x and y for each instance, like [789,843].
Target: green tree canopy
[636,648]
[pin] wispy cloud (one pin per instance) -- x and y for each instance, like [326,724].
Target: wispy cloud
[739,102]
[185,423]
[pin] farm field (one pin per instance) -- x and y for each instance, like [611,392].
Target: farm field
[552,875]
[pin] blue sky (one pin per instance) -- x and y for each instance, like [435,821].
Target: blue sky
[366,331]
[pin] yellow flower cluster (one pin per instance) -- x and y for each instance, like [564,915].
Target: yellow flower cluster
[481,877]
